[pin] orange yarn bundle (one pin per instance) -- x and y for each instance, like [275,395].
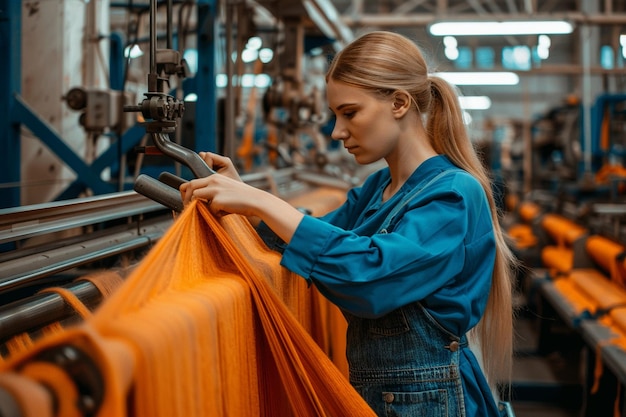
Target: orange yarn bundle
[198,329]
[105,281]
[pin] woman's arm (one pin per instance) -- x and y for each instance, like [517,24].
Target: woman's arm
[225,193]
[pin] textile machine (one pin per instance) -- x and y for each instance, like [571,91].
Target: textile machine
[576,289]
[54,254]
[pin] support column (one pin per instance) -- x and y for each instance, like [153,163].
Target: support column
[206,106]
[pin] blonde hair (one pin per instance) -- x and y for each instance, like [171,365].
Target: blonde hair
[386,62]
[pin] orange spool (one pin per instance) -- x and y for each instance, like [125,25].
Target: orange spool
[558,259]
[528,211]
[605,253]
[562,230]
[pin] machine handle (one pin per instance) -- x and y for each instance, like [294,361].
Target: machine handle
[183,155]
[159,192]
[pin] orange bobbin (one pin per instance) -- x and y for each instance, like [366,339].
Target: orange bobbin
[529,211]
[562,230]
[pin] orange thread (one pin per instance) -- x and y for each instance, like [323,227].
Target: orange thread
[200,328]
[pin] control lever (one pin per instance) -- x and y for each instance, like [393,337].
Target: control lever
[159,192]
[166,190]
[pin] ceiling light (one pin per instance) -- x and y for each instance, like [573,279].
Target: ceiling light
[539,27]
[475,102]
[480,78]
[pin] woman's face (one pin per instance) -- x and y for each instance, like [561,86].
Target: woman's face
[365,123]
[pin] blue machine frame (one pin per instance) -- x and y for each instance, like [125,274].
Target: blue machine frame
[14,112]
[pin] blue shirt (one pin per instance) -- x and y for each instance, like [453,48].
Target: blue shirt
[440,252]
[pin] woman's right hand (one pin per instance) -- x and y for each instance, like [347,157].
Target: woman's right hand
[220,164]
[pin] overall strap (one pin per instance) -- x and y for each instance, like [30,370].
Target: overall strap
[408,197]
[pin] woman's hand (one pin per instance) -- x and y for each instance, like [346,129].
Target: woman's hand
[224,194]
[220,164]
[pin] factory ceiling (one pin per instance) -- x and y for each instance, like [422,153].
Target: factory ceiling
[349,18]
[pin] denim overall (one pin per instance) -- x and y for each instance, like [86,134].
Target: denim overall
[405,364]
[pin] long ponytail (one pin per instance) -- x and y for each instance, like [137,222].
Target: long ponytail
[448,136]
[383,62]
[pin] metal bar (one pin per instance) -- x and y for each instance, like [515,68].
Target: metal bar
[42,309]
[229,112]
[26,270]
[183,155]
[160,192]
[416,20]
[24,222]
[585,36]
[153,39]
[170,36]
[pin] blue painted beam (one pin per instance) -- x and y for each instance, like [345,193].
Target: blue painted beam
[130,139]
[89,177]
[206,106]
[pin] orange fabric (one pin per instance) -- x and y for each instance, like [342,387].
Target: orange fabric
[59,383]
[200,328]
[32,398]
[71,299]
[105,281]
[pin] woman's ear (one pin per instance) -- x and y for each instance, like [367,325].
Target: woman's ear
[401,103]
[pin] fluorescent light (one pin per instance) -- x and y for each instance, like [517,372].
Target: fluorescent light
[539,27]
[246,80]
[475,102]
[480,78]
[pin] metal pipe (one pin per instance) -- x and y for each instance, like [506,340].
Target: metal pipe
[424,19]
[159,192]
[24,222]
[153,52]
[183,155]
[170,10]
[42,309]
[24,271]
[587,97]
[229,111]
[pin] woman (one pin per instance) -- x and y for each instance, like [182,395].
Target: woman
[415,257]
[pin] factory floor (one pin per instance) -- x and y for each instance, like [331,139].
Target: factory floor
[544,384]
